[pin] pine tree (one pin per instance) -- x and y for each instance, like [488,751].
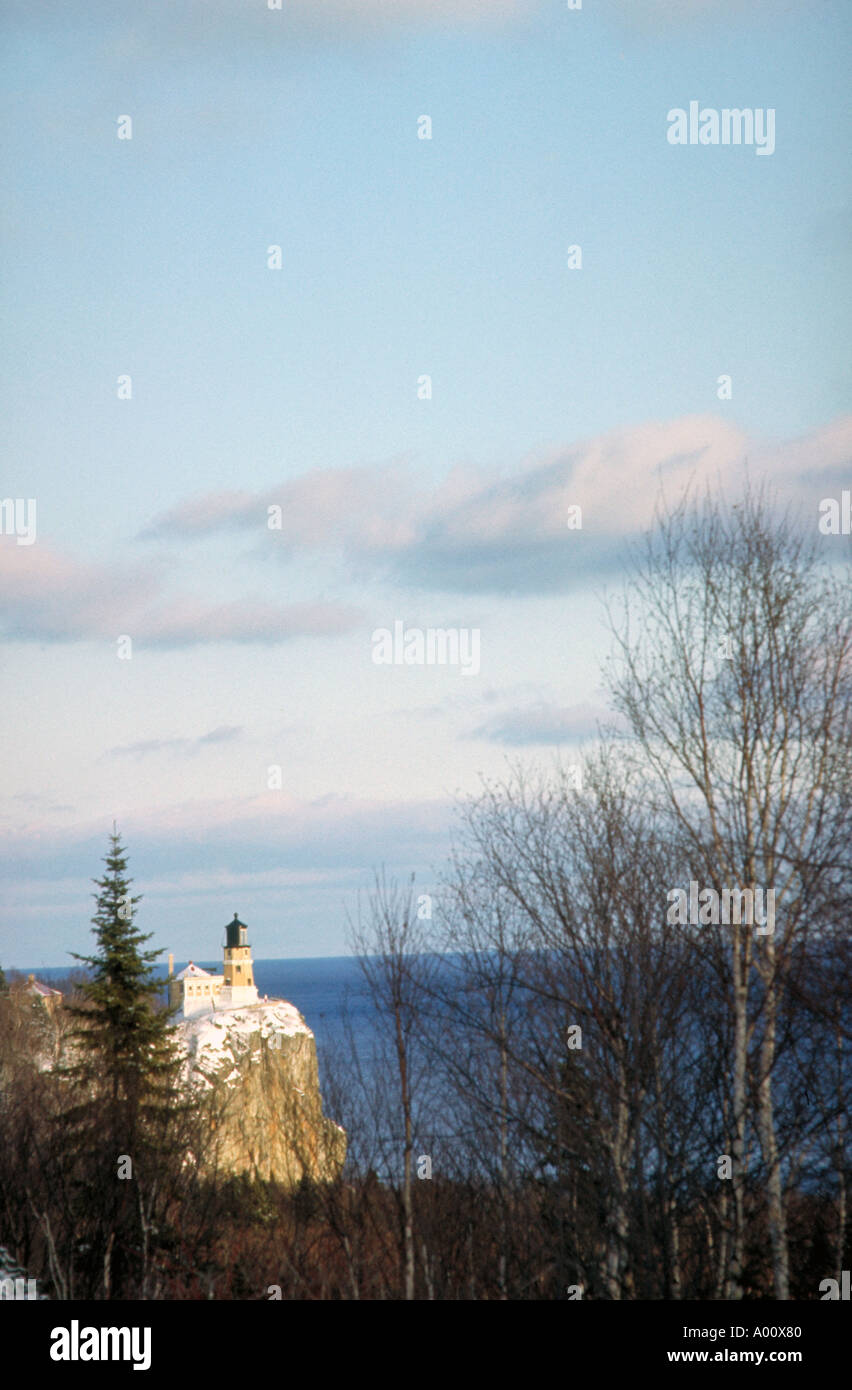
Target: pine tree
[124,1122]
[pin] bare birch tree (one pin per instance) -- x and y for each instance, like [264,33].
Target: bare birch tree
[391,946]
[733,669]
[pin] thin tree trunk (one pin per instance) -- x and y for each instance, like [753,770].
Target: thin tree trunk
[768,1142]
[734,1289]
[108,1265]
[504,1156]
[617,1240]
[840,1164]
[407,1197]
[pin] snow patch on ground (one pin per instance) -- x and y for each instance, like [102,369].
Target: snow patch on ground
[225,1036]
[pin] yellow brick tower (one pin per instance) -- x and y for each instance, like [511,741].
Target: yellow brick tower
[238,987]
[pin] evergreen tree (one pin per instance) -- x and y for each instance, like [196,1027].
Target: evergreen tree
[124,1121]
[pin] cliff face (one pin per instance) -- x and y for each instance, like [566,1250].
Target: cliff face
[257,1067]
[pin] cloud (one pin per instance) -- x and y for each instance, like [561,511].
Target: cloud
[147,28]
[198,849]
[508,532]
[191,623]
[43,805]
[290,866]
[544,723]
[212,511]
[660,15]
[48,597]
[255,834]
[345,508]
[225,733]
[322,14]
[334,838]
[408,11]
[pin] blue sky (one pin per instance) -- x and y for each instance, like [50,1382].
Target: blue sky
[255,387]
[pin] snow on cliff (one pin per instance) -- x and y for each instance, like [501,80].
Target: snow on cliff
[227,1035]
[257,1065]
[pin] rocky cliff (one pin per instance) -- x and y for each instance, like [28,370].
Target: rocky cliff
[257,1067]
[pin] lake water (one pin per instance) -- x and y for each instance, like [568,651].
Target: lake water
[319,988]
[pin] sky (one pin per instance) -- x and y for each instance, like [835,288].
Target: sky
[279,374]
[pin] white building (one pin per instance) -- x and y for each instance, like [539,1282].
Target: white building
[195,990]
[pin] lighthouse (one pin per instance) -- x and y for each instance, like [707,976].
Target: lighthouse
[196,991]
[238,986]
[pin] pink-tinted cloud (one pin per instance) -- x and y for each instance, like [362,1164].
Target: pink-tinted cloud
[348,508]
[509,531]
[49,597]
